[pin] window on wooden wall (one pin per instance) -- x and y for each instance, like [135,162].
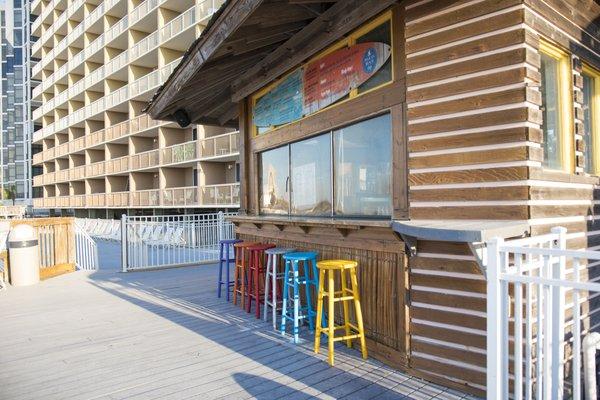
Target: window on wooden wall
[340,173]
[591,108]
[359,63]
[557,107]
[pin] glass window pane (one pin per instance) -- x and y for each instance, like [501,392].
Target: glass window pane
[550,110]
[362,168]
[274,181]
[588,95]
[311,176]
[381,34]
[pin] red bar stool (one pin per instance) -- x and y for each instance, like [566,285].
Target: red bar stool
[256,275]
[242,261]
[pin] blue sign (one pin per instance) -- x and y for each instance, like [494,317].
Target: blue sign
[281,105]
[369,61]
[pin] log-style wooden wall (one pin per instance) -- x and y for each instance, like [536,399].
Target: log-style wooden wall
[474,126]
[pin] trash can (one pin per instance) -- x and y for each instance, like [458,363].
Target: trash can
[23,252]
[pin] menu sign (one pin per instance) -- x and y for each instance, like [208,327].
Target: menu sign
[320,83]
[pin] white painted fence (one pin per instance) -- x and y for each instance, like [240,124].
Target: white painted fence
[530,285]
[151,242]
[86,250]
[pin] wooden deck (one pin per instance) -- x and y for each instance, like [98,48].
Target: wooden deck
[164,334]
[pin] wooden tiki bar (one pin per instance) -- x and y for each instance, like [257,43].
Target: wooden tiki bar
[404,135]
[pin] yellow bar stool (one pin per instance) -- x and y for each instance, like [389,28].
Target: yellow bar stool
[345,295]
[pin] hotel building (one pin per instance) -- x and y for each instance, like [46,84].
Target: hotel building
[16,83]
[101,155]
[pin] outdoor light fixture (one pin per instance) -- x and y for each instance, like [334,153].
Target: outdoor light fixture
[182,117]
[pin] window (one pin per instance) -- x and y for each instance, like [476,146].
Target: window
[591,97]
[556,107]
[311,176]
[362,170]
[341,173]
[274,194]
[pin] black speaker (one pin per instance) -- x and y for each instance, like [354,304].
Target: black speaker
[182,117]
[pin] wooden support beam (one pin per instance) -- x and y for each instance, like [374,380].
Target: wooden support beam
[226,24]
[338,20]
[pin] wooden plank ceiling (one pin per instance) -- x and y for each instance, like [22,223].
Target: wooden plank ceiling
[247,44]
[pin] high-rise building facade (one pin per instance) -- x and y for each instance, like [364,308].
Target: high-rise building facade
[101,62]
[16,83]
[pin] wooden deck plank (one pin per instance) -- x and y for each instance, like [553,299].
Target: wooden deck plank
[164,334]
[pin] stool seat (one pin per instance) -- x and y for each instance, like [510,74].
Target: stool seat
[279,250]
[230,241]
[261,247]
[336,264]
[301,255]
[243,245]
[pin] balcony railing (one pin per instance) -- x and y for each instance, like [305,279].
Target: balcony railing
[219,146]
[220,195]
[147,159]
[94,169]
[145,198]
[225,195]
[117,165]
[180,197]
[144,84]
[179,153]
[77,173]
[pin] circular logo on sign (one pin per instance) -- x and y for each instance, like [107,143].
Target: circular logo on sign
[369,60]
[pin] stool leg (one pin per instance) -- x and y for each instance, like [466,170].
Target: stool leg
[236,279]
[318,327]
[359,320]
[220,279]
[267,272]
[331,327]
[273,289]
[227,284]
[296,303]
[250,282]
[285,296]
[244,279]
[259,265]
[345,304]
[307,289]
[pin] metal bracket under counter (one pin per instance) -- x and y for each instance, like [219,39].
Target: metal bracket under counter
[473,232]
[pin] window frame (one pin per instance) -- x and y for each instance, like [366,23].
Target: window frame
[332,214]
[349,40]
[565,105]
[594,133]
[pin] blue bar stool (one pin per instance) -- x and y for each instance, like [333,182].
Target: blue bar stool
[292,281]
[225,259]
[273,281]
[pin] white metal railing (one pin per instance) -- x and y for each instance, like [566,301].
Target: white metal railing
[86,250]
[531,283]
[177,240]
[219,145]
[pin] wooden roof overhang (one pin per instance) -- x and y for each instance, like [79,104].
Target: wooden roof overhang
[246,45]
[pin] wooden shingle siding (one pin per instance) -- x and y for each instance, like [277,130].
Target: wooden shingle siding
[473,117]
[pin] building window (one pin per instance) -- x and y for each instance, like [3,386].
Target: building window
[591,97]
[341,173]
[556,107]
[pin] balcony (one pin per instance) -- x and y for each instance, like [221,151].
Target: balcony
[145,198]
[116,166]
[147,159]
[180,197]
[226,195]
[219,147]
[142,85]
[179,153]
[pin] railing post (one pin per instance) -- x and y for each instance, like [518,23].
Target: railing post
[494,321]
[124,243]
[558,315]
[221,224]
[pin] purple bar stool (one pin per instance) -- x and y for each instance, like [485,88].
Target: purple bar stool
[225,259]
